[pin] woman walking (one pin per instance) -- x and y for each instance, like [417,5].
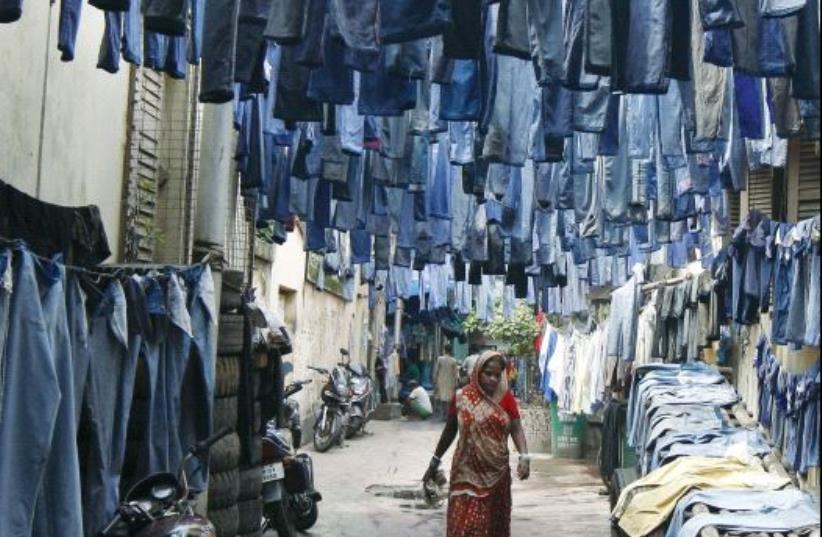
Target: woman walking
[484,414]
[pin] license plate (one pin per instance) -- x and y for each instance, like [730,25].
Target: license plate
[273,472]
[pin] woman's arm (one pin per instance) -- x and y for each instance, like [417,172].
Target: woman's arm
[518,436]
[449,433]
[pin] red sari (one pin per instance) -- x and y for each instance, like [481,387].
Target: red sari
[480,491]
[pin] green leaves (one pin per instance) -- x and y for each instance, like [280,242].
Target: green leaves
[517,332]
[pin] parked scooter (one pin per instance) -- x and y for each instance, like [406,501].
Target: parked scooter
[332,419]
[289,497]
[363,396]
[160,505]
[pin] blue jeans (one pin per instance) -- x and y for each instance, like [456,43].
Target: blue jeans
[29,415]
[409,20]
[59,501]
[357,22]
[108,393]
[506,139]
[806,78]
[641,50]
[382,94]
[546,29]
[220,22]
[109,57]
[460,99]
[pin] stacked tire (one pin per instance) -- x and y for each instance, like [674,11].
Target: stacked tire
[234,501]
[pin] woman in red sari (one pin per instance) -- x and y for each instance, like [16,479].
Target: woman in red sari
[485,414]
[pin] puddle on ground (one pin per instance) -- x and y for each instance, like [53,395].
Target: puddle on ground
[414,493]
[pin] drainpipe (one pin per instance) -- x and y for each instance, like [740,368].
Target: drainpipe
[214,189]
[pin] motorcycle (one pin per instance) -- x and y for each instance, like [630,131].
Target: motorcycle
[289,497]
[161,504]
[332,419]
[363,397]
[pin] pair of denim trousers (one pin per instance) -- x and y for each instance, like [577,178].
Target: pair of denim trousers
[220,22]
[38,403]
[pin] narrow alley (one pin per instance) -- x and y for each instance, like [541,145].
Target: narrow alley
[359,482]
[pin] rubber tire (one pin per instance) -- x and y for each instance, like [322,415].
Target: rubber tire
[227,377]
[278,518]
[225,413]
[230,334]
[251,483]
[304,522]
[225,520]
[324,444]
[231,296]
[251,515]
[223,489]
[225,454]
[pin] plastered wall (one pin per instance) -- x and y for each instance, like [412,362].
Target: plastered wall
[62,125]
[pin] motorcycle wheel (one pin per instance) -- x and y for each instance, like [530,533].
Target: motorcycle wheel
[354,426]
[306,517]
[278,519]
[324,438]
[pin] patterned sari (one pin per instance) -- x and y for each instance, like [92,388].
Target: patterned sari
[480,492]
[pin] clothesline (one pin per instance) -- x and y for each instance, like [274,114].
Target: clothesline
[114,270]
[665,283]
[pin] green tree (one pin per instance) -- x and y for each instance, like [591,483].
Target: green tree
[517,332]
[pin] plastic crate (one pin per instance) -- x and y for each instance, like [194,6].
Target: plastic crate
[567,434]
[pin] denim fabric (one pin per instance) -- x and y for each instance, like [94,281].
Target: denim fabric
[408,60]
[345,212]
[718,48]
[251,49]
[440,66]
[546,32]
[357,22]
[784,108]
[195,38]
[574,64]
[806,78]
[68,26]
[557,110]
[384,95]
[718,14]
[175,63]
[796,518]
[777,52]
[512,37]
[167,17]
[680,46]
[108,396]
[408,20]
[734,159]
[6,288]
[598,37]
[488,66]
[59,501]
[309,50]
[747,501]
[30,416]
[463,39]
[219,48]
[748,100]
[285,23]
[814,299]
[609,139]
[591,108]
[506,140]
[108,58]
[462,208]
[438,189]
[640,121]
[292,84]
[460,98]
[617,183]
[642,41]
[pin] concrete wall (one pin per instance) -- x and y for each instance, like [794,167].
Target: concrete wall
[62,125]
[324,322]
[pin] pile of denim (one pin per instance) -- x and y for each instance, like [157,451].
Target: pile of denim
[746,511]
[70,345]
[675,411]
[789,408]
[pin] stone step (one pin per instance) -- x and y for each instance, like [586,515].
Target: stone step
[387,412]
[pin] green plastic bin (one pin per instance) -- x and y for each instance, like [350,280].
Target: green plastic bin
[567,434]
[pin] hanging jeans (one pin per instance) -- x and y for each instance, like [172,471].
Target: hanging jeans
[219,49]
[546,31]
[108,396]
[6,287]
[409,20]
[31,400]
[59,502]
[506,140]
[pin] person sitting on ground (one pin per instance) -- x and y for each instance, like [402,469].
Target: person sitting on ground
[418,402]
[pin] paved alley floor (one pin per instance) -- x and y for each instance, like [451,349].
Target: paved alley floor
[358,483]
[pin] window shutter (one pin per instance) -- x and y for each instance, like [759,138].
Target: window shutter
[760,191]
[140,194]
[809,192]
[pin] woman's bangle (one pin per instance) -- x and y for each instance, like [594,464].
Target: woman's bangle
[525,458]
[435,462]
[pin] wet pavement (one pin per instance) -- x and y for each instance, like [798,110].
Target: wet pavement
[371,488]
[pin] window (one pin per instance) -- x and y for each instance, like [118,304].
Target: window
[288,308]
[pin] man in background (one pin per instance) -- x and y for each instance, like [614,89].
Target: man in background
[446,375]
